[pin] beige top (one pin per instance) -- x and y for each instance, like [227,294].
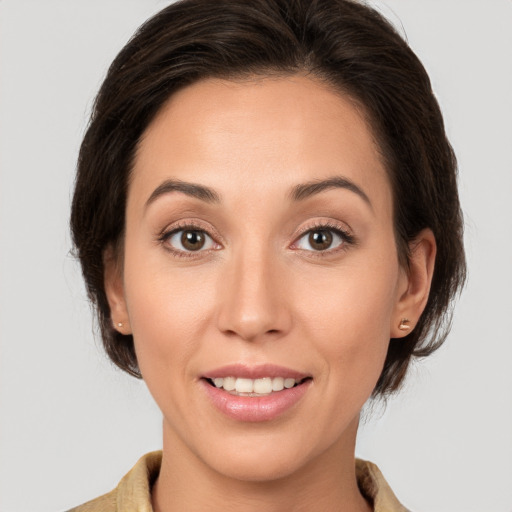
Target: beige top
[133,494]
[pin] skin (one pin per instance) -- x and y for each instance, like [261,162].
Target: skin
[259,292]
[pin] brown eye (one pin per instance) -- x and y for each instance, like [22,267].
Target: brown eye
[190,240]
[320,240]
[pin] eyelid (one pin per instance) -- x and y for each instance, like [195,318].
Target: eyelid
[328,225]
[191,225]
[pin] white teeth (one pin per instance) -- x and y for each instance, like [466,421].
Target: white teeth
[277,384]
[289,383]
[263,386]
[253,387]
[244,385]
[229,383]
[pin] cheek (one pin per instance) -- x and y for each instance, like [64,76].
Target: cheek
[348,316]
[167,309]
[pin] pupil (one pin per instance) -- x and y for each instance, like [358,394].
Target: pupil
[320,240]
[192,240]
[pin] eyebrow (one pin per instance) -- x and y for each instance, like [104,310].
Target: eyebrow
[298,192]
[190,189]
[306,190]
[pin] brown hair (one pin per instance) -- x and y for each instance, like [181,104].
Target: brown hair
[345,43]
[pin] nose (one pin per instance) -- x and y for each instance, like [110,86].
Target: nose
[252,298]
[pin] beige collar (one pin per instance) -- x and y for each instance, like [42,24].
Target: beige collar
[133,494]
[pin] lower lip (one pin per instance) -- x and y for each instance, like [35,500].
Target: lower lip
[255,408]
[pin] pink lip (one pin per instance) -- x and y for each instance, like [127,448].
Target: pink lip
[254,409]
[255,372]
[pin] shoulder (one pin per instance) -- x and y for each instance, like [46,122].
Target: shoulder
[375,489]
[105,503]
[133,494]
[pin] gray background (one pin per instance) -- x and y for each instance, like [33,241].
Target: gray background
[71,425]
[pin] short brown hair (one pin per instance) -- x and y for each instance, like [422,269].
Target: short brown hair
[344,43]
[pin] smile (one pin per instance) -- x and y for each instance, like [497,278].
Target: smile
[255,394]
[265,386]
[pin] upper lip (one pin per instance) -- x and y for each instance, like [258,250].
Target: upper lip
[254,372]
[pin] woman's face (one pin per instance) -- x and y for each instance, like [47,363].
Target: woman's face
[259,246]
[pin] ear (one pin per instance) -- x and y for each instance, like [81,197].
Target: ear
[415,284]
[114,289]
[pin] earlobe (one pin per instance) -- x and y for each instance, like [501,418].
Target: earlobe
[418,278]
[114,290]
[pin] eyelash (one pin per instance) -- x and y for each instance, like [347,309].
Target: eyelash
[347,239]
[189,226]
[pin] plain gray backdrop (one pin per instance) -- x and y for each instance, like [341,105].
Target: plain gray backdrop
[71,425]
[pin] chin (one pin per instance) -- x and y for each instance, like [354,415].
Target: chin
[264,456]
[258,468]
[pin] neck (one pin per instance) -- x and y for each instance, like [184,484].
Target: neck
[326,484]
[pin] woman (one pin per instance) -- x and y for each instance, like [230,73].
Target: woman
[267,219]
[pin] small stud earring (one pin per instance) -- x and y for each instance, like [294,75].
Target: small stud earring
[403,324]
[120,324]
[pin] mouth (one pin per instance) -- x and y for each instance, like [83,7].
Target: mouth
[255,393]
[264,386]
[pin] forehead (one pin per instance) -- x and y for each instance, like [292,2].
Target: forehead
[259,134]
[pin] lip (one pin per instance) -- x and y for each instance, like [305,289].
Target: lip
[260,408]
[255,372]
